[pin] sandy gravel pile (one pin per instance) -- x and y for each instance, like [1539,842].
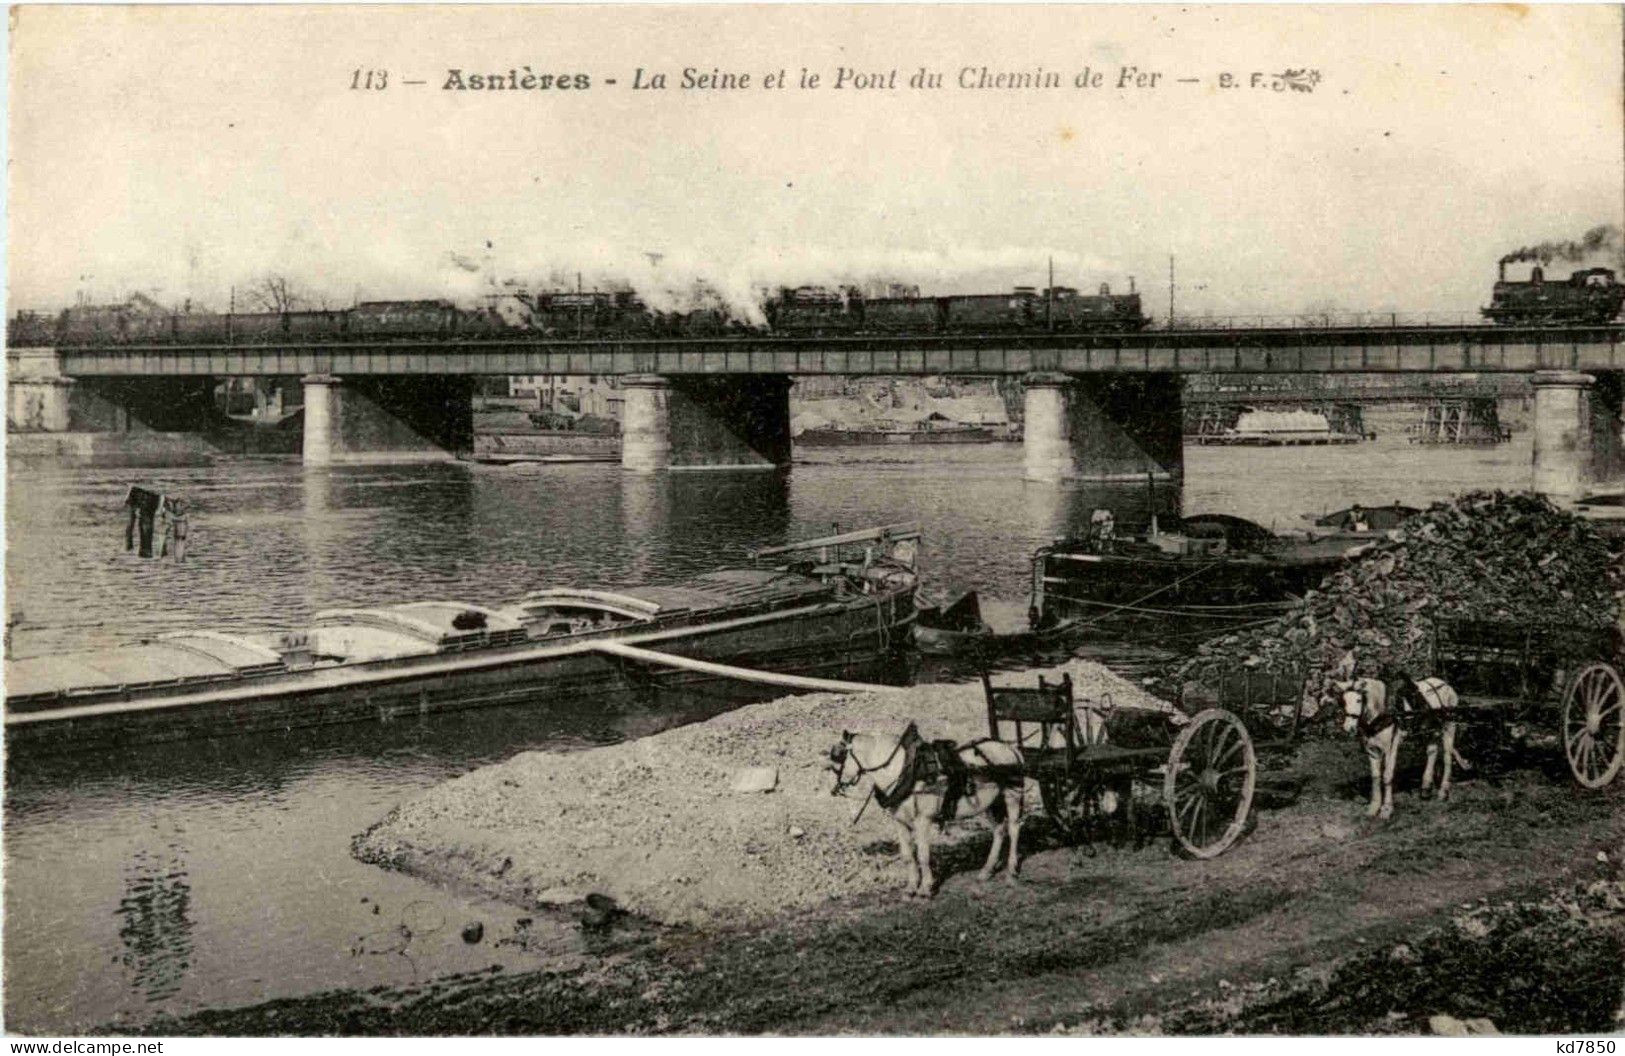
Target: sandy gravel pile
[654,823]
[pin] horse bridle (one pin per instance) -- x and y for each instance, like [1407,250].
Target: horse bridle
[838,756]
[1343,691]
[1364,726]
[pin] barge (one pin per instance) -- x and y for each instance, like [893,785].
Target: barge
[1200,575]
[833,606]
[881,437]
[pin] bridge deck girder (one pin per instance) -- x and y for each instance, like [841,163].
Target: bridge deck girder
[1366,350]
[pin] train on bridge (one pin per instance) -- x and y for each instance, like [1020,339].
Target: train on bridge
[807,311]
[819,311]
[1592,296]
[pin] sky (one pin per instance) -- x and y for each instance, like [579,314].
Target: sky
[190,153]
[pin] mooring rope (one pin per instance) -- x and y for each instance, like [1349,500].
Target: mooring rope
[1145,597]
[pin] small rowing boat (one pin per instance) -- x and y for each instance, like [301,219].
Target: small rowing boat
[953,628]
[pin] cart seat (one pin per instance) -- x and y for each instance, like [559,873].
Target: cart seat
[1041,721]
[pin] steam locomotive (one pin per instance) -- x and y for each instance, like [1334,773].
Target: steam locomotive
[620,314]
[818,310]
[1593,295]
[806,311]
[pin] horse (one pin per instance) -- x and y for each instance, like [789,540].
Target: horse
[922,785]
[1366,712]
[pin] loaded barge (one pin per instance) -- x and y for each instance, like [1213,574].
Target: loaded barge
[1203,574]
[834,605]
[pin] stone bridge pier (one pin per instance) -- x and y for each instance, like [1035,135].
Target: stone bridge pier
[38,395]
[387,419]
[698,422]
[1579,433]
[1107,428]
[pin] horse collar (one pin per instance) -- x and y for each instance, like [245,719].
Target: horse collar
[1370,727]
[909,744]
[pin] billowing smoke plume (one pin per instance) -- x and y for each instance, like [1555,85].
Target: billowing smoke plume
[1604,238]
[736,279]
[679,282]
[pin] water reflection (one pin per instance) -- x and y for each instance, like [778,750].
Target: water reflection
[217,871]
[247,890]
[686,522]
[319,538]
[1054,510]
[646,500]
[752,507]
[155,920]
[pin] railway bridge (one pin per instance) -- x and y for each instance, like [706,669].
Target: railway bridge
[1102,407]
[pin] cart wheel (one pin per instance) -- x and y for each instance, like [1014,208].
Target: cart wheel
[1594,725]
[1209,787]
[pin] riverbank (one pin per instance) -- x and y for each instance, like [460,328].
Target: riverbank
[657,823]
[1493,907]
[774,913]
[111,449]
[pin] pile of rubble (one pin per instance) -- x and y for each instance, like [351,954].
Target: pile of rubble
[1486,556]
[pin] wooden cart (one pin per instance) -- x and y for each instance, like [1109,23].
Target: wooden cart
[1091,759]
[1561,681]
[1558,678]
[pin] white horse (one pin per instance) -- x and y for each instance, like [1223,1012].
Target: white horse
[1367,712]
[922,788]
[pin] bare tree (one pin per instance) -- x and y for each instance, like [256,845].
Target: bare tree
[274,293]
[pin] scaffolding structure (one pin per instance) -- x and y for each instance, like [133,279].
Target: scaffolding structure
[1461,421]
[1209,422]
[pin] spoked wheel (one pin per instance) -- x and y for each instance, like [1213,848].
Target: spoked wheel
[1594,725]
[1209,788]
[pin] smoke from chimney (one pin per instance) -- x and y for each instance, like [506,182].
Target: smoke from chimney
[1600,239]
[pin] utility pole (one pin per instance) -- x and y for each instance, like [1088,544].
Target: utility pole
[492,295]
[1170,291]
[1049,298]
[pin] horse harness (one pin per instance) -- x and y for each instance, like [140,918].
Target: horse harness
[1412,710]
[927,764]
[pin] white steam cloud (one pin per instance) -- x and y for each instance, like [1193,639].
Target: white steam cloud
[738,279]
[686,281]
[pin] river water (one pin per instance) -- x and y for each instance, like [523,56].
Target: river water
[179,877]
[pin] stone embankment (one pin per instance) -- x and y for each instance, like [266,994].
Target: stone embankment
[657,824]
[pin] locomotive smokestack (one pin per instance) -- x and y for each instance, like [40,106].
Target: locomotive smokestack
[1501,274]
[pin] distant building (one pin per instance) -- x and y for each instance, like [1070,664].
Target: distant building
[577,394]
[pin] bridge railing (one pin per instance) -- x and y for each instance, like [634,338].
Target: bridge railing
[1321,321]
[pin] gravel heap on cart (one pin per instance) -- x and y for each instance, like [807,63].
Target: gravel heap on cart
[655,823]
[1488,556]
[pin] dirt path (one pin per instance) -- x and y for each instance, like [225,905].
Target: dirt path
[1120,940]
